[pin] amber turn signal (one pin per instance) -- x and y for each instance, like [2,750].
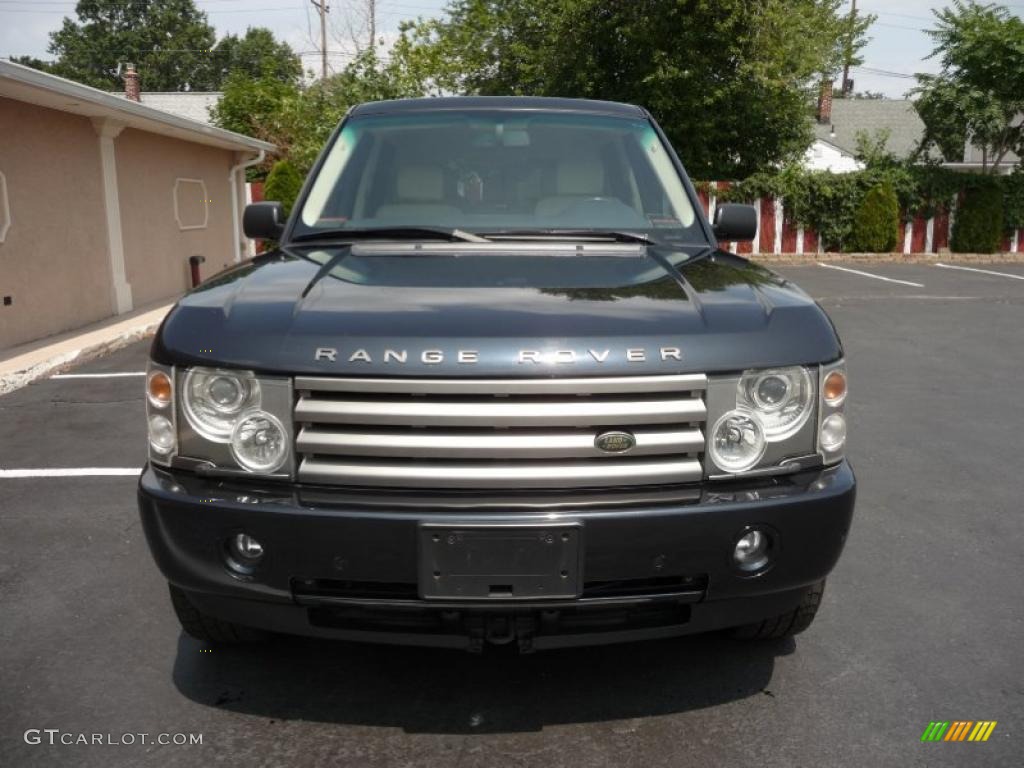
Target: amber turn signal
[834,388]
[158,388]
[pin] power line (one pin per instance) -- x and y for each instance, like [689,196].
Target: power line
[886,72]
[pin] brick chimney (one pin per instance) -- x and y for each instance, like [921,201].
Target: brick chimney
[825,102]
[131,83]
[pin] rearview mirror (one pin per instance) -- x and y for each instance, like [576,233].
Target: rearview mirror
[735,222]
[263,221]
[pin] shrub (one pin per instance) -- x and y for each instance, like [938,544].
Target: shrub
[283,184]
[979,222]
[877,220]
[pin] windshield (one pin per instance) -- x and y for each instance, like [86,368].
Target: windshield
[500,171]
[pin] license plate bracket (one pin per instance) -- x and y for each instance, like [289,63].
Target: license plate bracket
[500,562]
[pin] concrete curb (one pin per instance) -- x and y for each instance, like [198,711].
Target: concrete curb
[20,370]
[804,259]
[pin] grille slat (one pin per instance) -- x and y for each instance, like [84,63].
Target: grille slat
[689,382]
[600,473]
[511,444]
[500,413]
[499,433]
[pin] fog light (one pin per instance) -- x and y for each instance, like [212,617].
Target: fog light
[161,434]
[752,551]
[245,547]
[833,432]
[242,554]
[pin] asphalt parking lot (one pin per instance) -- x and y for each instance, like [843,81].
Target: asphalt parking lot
[923,618]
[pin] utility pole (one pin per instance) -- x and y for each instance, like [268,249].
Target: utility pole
[322,8]
[371,8]
[847,83]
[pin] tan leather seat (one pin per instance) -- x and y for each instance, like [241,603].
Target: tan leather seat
[419,192]
[575,180]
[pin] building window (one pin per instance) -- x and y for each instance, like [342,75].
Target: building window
[5,208]
[191,204]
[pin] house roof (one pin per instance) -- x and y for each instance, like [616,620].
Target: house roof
[193,105]
[851,116]
[43,89]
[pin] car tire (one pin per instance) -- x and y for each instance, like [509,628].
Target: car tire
[207,628]
[787,624]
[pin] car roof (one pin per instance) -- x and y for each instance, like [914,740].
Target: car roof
[534,103]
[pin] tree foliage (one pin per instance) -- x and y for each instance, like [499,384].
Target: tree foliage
[979,93]
[257,54]
[170,41]
[283,184]
[299,118]
[729,80]
[877,220]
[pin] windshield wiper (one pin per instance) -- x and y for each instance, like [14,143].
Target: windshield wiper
[595,235]
[339,256]
[391,233]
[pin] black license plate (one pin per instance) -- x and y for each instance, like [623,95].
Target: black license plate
[500,562]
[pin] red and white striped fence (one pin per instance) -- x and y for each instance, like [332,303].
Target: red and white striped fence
[777,234]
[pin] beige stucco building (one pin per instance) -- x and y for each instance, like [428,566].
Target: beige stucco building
[103,200]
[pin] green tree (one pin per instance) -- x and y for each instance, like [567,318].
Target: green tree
[257,107]
[731,81]
[283,184]
[257,55]
[170,42]
[299,119]
[979,93]
[876,222]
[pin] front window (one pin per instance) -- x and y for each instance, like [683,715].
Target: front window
[500,171]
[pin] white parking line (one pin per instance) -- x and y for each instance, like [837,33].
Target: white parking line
[982,271]
[97,375]
[74,472]
[868,274]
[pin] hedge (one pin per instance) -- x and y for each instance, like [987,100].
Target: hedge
[828,202]
[979,222]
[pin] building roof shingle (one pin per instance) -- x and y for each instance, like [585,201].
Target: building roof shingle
[192,105]
[851,116]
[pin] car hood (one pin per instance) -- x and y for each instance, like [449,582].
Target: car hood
[463,314]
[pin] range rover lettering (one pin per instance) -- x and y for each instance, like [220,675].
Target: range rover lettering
[498,382]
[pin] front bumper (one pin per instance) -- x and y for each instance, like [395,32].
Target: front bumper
[344,564]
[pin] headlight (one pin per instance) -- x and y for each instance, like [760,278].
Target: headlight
[160,418]
[161,434]
[833,432]
[213,400]
[831,416]
[782,399]
[737,441]
[259,442]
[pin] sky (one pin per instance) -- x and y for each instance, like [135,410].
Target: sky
[897,49]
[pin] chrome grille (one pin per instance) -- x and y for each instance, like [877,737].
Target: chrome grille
[498,433]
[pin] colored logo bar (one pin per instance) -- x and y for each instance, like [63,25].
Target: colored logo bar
[959,730]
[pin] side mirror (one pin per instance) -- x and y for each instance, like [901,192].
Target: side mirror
[735,222]
[263,221]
